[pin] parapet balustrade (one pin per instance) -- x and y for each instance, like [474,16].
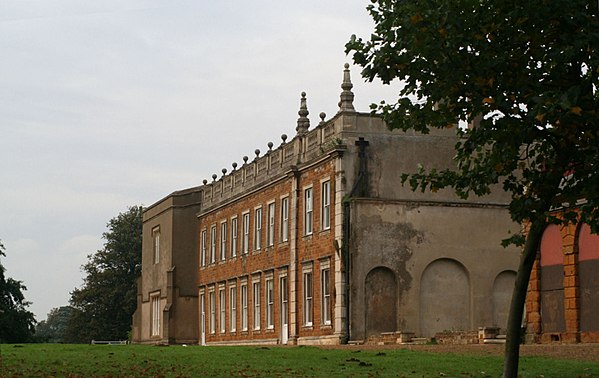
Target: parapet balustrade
[272,164]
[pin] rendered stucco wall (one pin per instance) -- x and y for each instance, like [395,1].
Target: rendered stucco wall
[445,258]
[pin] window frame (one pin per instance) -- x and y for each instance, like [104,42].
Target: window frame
[156,244]
[212,300]
[325,302]
[308,211]
[223,240]
[256,291]
[246,233]
[155,317]
[270,302]
[271,224]
[258,228]
[234,236]
[325,200]
[285,219]
[308,294]
[232,308]
[213,244]
[203,248]
[222,309]
[244,306]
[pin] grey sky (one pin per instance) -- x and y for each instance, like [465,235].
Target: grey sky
[108,104]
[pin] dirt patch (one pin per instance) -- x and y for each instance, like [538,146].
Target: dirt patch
[585,352]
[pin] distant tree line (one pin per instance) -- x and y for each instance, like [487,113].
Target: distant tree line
[102,308]
[17,323]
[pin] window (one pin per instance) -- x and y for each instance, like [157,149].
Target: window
[212,313]
[270,304]
[257,228]
[232,308]
[308,213]
[223,241]
[203,249]
[212,244]
[308,298]
[222,309]
[256,288]
[246,233]
[155,300]
[234,237]
[285,219]
[284,300]
[244,307]
[326,205]
[271,224]
[156,241]
[326,296]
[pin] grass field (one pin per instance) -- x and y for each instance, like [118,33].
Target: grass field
[52,360]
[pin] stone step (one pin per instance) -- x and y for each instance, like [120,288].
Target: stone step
[355,342]
[494,341]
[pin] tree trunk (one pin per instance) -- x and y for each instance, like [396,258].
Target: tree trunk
[514,324]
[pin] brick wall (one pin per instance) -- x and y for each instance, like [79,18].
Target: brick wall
[572,333]
[292,258]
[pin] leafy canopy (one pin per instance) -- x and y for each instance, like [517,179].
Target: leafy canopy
[103,306]
[17,323]
[525,74]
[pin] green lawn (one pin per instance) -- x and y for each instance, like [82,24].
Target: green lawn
[47,360]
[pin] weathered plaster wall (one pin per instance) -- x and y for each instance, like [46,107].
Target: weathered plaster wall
[453,250]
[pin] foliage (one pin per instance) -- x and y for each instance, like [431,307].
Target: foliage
[103,306]
[53,329]
[178,361]
[525,74]
[17,324]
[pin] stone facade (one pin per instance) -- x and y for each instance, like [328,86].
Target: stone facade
[316,241]
[166,291]
[563,294]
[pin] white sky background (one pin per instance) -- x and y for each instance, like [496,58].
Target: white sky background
[109,104]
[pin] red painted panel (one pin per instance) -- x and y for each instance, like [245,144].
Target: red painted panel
[588,244]
[551,246]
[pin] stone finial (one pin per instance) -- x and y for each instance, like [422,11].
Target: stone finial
[257,152]
[346,103]
[205,182]
[224,171]
[303,123]
[214,176]
[270,144]
[284,138]
[234,165]
[322,116]
[245,160]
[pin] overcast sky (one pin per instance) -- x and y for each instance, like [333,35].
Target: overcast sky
[108,104]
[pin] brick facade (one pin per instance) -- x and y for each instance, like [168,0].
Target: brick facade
[272,258]
[538,327]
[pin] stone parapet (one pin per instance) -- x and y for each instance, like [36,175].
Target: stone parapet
[275,164]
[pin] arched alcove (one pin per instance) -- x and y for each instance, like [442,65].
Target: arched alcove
[444,297]
[503,287]
[380,299]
